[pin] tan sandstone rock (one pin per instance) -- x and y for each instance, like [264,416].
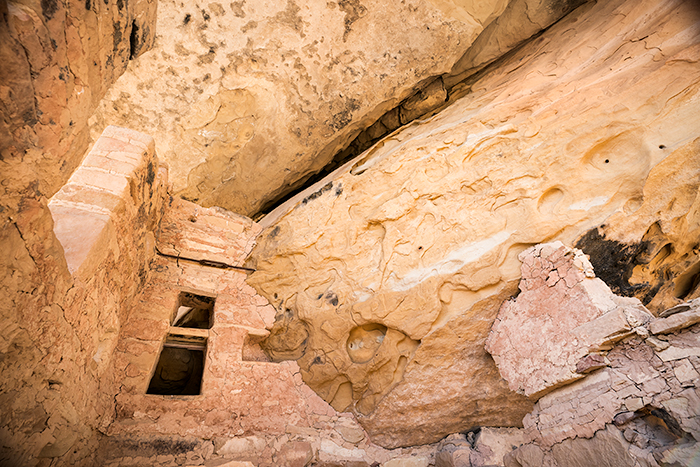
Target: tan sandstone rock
[491,445]
[590,124]
[407,462]
[60,329]
[682,319]
[453,451]
[250,98]
[59,58]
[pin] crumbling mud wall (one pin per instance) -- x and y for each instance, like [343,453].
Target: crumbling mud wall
[615,385]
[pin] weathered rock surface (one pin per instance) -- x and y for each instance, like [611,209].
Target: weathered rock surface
[642,410]
[253,410]
[441,209]
[485,447]
[591,124]
[59,58]
[520,20]
[60,329]
[637,407]
[251,98]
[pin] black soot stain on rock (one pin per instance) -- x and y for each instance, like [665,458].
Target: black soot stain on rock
[613,261]
[313,196]
[48,8]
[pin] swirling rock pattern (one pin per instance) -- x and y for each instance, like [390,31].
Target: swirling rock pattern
[250,98]
[587,135]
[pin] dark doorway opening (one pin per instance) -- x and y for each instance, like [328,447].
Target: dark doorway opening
[180,368]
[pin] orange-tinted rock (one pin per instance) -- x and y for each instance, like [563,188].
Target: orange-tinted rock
[60,330]
[59,58]
[583,126]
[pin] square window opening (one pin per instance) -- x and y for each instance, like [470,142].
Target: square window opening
[180,367]
[194,311]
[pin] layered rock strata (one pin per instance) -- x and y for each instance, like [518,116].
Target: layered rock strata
[409,252]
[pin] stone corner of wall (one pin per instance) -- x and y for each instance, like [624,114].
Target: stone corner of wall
[116,191]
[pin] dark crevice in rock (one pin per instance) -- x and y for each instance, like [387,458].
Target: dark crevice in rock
[431,97]
[206,262]
[134,46]
[688,282]
[423,102]
[657,271]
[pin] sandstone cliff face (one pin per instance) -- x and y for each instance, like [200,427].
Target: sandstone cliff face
[388,275]
[249,99]
[59,58]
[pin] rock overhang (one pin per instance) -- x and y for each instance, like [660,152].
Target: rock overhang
[244,119]
[424,236]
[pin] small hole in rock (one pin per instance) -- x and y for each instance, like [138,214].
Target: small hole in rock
[688,282]
[134,46]
[364,341]
[661,146]
[607,161]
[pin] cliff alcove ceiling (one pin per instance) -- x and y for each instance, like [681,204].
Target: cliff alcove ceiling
[422,233]
[251,99]
[349,232]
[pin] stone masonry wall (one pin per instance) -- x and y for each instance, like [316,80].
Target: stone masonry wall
[59,329]
[634,400]
[249,409]
[634,397]
[643,409]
